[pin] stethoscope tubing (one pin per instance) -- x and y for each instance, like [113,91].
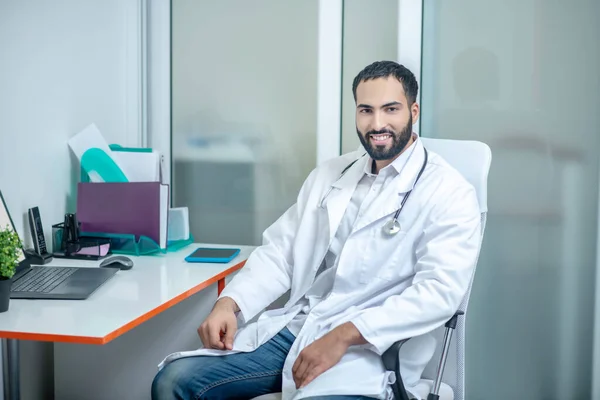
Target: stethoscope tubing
[392,226]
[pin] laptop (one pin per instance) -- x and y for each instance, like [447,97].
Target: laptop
[52,282]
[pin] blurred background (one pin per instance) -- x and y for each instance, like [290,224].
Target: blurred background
[522,76]
[519,75]
[244,112]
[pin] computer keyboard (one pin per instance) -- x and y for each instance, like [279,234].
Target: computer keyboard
[42,280]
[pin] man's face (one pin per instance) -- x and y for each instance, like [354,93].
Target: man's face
[384,118]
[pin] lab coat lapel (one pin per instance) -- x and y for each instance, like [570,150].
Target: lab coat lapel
[341,193]
[389,201]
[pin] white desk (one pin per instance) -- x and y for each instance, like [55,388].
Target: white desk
[154,284]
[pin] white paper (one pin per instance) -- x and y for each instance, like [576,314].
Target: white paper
[89,138]
[179,224]
[139,166]
[164,215]
[86,139]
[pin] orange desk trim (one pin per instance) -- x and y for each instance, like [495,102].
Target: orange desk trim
[219,279]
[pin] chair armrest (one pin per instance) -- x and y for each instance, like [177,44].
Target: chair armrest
[391,362]
[452,321]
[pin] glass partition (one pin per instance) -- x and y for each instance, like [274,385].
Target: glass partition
[244,110]
[522,76]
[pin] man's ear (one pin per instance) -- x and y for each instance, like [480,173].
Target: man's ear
[415,110]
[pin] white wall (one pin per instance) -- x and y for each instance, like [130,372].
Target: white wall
[64,64]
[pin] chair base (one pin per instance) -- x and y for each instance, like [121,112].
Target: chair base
[422,389]
[270,396]
[424,386]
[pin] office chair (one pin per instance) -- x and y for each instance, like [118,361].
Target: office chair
[472,159]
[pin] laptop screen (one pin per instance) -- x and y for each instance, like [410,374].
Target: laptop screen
[6,220]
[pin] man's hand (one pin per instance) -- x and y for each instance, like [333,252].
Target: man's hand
[217,331]
[324,353]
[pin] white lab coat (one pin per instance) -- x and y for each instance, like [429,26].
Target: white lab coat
[391,288]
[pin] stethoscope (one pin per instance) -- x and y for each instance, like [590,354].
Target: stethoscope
[391,227]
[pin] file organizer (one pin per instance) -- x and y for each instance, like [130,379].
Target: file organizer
[131,244]
[94,160]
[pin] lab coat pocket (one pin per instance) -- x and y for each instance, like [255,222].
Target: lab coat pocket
[384,259]
[246,338]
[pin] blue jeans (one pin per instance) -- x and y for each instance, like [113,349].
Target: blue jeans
[235,376]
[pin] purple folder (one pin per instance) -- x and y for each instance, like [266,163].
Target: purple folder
[138,208]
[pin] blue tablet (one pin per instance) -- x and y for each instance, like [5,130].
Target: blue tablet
[210,255]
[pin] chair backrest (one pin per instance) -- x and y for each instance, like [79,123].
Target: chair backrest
[472,159]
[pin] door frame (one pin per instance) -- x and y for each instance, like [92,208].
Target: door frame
[329,79]
[158,82]
[410,40]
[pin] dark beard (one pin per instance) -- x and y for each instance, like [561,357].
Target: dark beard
[399,142]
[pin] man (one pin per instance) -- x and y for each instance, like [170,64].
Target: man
[361,274]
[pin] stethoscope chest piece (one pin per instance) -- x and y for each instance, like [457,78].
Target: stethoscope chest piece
[391,227]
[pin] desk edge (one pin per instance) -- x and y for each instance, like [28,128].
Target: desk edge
[100,340]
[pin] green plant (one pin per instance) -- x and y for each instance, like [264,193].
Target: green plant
[10,251]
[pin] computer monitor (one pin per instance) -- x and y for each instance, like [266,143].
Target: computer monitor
[6,221]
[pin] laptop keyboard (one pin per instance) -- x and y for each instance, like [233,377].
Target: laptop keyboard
[42,280]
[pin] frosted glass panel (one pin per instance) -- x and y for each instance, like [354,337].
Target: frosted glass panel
[244,81]
[370,34]
[522,76]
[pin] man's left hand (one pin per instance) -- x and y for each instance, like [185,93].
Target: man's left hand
[324,353]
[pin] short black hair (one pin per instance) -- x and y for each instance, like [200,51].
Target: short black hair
[384,69]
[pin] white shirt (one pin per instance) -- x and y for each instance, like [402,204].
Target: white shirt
[369,187]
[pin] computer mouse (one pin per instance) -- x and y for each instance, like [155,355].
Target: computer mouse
[120,262]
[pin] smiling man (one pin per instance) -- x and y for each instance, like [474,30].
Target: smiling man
[385,129]
[379,247]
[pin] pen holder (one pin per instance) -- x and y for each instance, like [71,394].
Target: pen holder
[84,248]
